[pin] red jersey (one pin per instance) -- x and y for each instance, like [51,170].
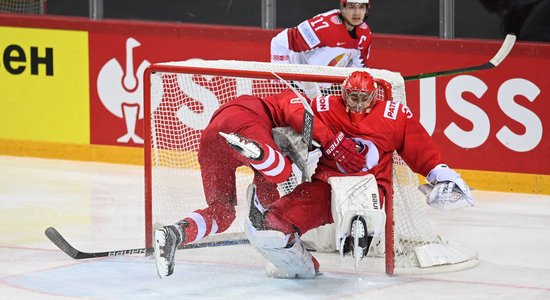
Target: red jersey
[284,109]
[323,40]
[387,128]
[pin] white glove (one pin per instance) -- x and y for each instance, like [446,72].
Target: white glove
[311,89]
[446,189]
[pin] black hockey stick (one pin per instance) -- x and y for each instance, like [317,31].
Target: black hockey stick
[62,244]
[504,50]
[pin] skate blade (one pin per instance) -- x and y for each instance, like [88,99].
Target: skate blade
[161,263]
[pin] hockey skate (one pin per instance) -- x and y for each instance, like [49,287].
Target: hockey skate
[256,212]
[166,242]
[359,241]
[245,146]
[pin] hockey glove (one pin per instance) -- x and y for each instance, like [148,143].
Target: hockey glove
[343,150]
[446,189]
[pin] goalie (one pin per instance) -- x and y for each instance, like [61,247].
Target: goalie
[251,117]
[379,127]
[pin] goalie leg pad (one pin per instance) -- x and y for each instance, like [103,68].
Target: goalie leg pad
[355,208]
[286,262]
[321,239]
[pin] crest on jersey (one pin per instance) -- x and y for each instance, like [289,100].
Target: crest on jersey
[337,61]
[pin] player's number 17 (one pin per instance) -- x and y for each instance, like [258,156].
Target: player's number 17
[319,24]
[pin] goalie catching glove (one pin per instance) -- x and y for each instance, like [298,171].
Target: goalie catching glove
[343,150]
[446,190]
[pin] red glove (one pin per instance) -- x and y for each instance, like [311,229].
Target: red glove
[344,151]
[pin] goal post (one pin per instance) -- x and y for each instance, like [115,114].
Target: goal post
[179,100]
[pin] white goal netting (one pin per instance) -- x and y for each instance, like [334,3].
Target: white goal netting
[180,99]
[23,6]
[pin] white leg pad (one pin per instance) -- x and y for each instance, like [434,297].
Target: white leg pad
[293,262]
[352,196]
[321,239]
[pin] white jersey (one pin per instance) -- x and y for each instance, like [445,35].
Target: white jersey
[323,40]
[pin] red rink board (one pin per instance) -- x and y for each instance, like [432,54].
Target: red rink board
[493,120]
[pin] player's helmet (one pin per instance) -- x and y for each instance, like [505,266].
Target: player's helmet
[360,92]
[354,1]
[367,2]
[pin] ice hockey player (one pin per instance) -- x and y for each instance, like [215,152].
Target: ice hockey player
[339,37]
[254,118]
[380,127]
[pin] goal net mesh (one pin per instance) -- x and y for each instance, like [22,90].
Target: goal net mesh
[180,99]
[22,6]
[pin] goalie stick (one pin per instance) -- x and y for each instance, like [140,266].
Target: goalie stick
[64,246]
[504,50]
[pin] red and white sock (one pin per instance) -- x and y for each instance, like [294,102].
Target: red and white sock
[274,166]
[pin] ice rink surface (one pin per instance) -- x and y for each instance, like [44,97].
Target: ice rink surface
[99,207]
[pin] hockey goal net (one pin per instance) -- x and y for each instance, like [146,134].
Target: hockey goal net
[180,98]
[23,6]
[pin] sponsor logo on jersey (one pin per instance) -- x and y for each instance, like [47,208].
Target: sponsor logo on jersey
[322,104]
[391,110]
[295,101]
[279,57]
[308,34]
[340,43]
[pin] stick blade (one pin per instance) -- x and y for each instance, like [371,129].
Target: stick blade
[504,50]
[57,239]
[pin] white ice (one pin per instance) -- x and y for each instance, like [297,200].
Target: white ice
[99,207]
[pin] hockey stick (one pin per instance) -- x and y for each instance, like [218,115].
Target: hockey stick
[307,129]
[504,50]
[62,244]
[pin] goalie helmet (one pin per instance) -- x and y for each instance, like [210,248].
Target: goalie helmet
[360,91]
